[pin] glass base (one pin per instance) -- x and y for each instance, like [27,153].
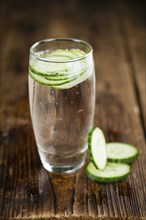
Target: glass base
[62,164]
[65,169]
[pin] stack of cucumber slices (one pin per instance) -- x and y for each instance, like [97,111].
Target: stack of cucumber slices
[61,69]
[108,161]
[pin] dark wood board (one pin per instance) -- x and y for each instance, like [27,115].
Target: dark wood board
[115,29]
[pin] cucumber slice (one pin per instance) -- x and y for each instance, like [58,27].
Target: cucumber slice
[79,79]
[45,68]
[47,81]
[56,57]
[61,75]
[51,74]
[77,52]
[58,75]
[97,148]
[62,83]
[65,54]
[121,152]
[112,172]
[65,68]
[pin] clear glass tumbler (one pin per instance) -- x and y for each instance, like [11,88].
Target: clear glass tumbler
[62,101]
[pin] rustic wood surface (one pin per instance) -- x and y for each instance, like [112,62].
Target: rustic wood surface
[116,30]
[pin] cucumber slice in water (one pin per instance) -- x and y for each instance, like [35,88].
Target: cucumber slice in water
[112,172]
[79,79]
[62,83]
[57,75]
[121,152]
[97,148]
[45,68]
[64,54]
[77,52]
[56,57]
[61,75]
[47,81]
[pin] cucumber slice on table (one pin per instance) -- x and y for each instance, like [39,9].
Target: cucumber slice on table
[121,152]
[97,148]
[112,172]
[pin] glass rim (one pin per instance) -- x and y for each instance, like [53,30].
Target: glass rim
[61,39]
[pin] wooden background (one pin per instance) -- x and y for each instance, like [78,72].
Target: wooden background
[116,30]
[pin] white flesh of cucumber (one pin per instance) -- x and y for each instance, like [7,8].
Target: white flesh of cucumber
[97,148]
[112,172]
[60,75]
[85,75]
[121,152]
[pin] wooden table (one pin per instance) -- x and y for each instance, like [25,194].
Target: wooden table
[116,30]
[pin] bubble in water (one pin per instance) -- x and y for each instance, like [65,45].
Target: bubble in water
[56,103]
[71,102]
[65,98]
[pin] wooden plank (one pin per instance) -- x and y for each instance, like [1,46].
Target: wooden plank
[133,31]
[116,90]
[29,192]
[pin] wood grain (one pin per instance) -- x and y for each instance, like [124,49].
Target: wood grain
[133,31]
[27,191]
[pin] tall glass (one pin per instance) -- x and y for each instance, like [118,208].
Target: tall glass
[62,101]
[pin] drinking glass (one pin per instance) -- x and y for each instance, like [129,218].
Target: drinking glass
[62,101]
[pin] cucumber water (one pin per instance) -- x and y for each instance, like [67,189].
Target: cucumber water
[62,99]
